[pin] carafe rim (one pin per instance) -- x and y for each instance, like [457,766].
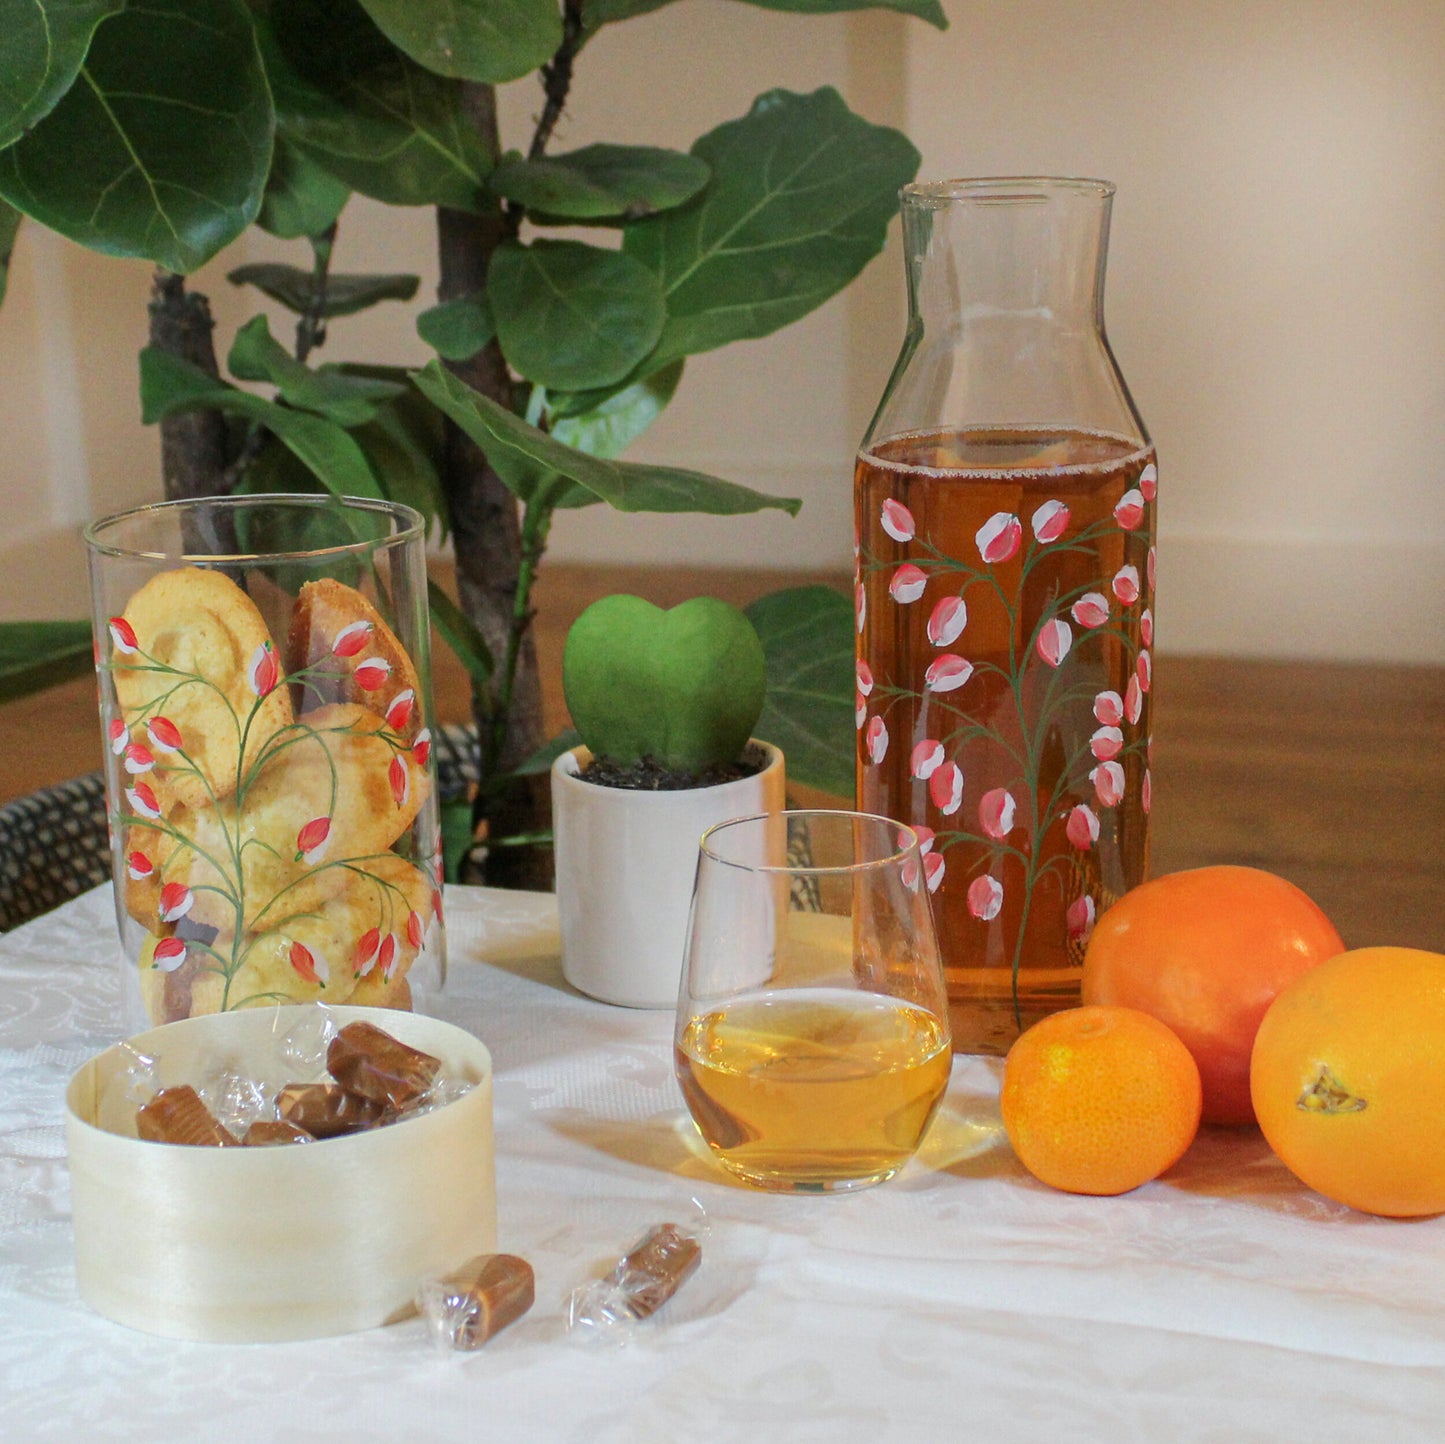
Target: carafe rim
[1003,188]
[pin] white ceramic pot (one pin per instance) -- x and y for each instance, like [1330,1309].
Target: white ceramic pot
[625,865]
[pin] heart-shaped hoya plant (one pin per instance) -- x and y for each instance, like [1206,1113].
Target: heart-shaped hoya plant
[682,687]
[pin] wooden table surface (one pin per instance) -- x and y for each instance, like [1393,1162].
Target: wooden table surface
[1330,774]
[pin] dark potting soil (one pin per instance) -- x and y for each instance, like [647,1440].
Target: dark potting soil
[650,776]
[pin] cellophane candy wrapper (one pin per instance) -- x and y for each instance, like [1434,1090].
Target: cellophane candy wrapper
[640,1283]
[468,1306]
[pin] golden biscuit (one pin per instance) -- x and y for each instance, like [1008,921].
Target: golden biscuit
[200,686]
[339,649]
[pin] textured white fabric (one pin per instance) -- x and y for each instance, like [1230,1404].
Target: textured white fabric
[959,1301]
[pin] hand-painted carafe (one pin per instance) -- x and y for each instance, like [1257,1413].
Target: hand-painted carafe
[1005,517]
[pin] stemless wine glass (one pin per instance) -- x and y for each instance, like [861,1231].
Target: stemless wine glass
[812,1041]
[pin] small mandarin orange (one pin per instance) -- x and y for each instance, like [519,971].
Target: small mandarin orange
[1099,1099]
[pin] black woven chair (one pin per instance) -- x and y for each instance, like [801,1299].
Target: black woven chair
[54,843]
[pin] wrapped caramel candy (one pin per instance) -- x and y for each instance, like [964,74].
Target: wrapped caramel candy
[372,1064]
[266,1131]
[470,1305]
[642,1281]
[177,1115]
[327,1110]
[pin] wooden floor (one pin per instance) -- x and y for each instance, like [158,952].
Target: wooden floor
[1332,775]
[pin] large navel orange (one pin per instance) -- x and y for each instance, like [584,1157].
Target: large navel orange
[1206,951]
[1348,1078]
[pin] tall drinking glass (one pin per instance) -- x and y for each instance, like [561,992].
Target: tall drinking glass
[265,692]
[812,1029]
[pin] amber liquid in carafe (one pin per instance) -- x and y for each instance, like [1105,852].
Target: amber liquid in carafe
[1020,725]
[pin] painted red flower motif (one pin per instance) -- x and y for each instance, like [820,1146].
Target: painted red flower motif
[897,520]
[947,673]
[264,672]
[860,710]
[398,714]
[1133,700]
[1108,780]
[907,584]
[999,538]
[311,967]
[139,759]
[399,777]
[143,800]
[1146,627]
[421,748]
[139,866]
[926,758]
[1109,708]
[996,809]
[1146,792]
[985,898]
[170,953]
[1091,610]
[1144,669]
[933,868]
[1082,828]
[860,606]
[176,901]
[386,956]
[1126,585]
[122,636]
[876,739]
[352,638]
[164,734]
[925,837]
[1055,639]
[436,904]
[1149,566]
[1130,509]
[415,930]
[1050,521]
[945,787]
[947,621]
[372,673]
[864,674]
[1079,918]
[1106,743]
[363,958]
[1149,482]
[119,735]
[311,840]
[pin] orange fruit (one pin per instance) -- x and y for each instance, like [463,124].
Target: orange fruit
[1099,1099]
[1206,951]
[1348,1078]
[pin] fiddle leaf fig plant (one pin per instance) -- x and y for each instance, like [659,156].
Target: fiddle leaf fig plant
[163,131]
[656,692]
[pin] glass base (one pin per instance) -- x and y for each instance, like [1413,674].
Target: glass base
[809,1182]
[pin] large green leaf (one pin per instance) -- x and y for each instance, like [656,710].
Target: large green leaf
[9,226]
[457,330]
[347,400]
[37,655]
[302,198]
[169,385]
[528,461]
[603,12]
[162,146]
[622,181]
[571,316]
[461,635]
[346,293]
[42,45]
[801,195]
[486,40]
[608,428]
[807,637]
[385,125]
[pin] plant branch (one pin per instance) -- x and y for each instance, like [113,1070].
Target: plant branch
[311,328]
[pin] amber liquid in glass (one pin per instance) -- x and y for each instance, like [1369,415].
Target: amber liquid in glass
[1020,725]
[814,1088]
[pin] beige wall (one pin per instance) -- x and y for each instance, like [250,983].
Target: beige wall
[1276,298]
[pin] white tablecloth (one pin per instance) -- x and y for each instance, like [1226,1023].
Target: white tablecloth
[960,1301]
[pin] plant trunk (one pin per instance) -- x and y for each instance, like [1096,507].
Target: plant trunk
[486,532]
[196,446]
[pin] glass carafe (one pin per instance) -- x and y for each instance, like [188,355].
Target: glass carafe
[1004,513]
